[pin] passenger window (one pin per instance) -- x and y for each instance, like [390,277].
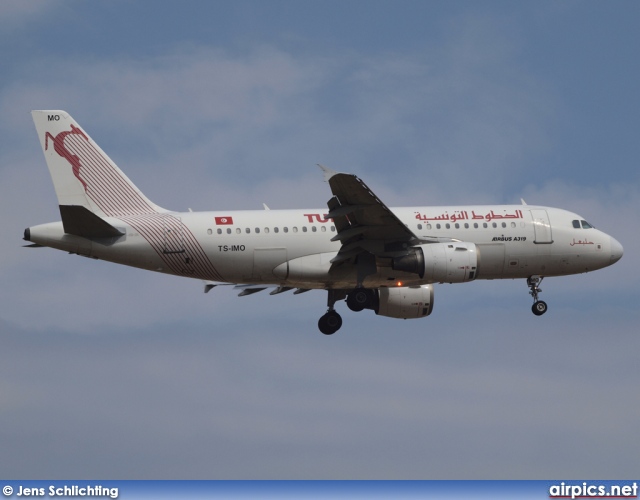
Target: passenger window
[586,225]
[513,224]
[238,230]
[494,224]
[333,229]
[466,225]
[457,226]
[247,230]
[276,230]
[304,229]
[419,226]
[323,229]
[447,225]
[475,225]
[219,231]
[257,230]
[576,224]
[286,229]
[266,229]
[295,229]
[228,230]
[314,228]
[428,226]
[504,224]
[438,226]
[484,225]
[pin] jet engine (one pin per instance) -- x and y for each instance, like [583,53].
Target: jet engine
[454,262]
[405,302]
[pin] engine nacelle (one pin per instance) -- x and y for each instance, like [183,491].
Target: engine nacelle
[454,262]
[405,302]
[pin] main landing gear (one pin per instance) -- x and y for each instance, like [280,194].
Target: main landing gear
[331,322]
[360,299]
[539,307]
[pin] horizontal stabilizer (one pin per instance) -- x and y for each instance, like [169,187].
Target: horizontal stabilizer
[80,221]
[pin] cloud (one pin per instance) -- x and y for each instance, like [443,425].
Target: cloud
[206,129]
[113,371]
[430,401]
[439,115]
[15,13]
[203,128]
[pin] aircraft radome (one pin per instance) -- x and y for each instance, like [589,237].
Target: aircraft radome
[383,259]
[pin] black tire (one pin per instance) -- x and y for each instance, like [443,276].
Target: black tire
[361,296]
[330,323]
[539,308]
[324,327]
[352,304]
[359,299]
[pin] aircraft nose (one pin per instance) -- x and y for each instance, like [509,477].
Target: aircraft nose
[616,250]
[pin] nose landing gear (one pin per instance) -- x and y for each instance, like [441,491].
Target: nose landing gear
[539,307]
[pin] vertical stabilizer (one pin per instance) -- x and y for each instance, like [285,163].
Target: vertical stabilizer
[82,174]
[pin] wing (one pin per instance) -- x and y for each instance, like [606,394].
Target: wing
[363,222]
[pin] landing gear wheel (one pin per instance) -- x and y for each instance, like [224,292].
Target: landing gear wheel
[360,299]
[353,303]
[539,308]
[330,323]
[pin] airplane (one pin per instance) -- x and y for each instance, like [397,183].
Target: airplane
[358,249]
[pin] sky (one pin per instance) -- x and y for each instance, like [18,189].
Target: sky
[118,373]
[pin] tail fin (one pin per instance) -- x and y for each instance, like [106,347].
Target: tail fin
[82,174]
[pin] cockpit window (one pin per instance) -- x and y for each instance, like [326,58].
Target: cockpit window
[576,224]
[586,225]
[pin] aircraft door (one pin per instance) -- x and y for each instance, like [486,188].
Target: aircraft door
[177,253]
[173,235]
[541,226]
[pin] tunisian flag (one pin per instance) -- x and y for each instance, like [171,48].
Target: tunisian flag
[224,221]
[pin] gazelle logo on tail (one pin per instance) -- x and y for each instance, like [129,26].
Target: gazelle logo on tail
[101,186]
[105,191]
[58,145]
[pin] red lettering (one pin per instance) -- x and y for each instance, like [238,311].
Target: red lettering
[317,218]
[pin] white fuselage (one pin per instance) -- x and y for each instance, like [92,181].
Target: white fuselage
[364,252]
[294,247]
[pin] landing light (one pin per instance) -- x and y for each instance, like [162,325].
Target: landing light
[399,283]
